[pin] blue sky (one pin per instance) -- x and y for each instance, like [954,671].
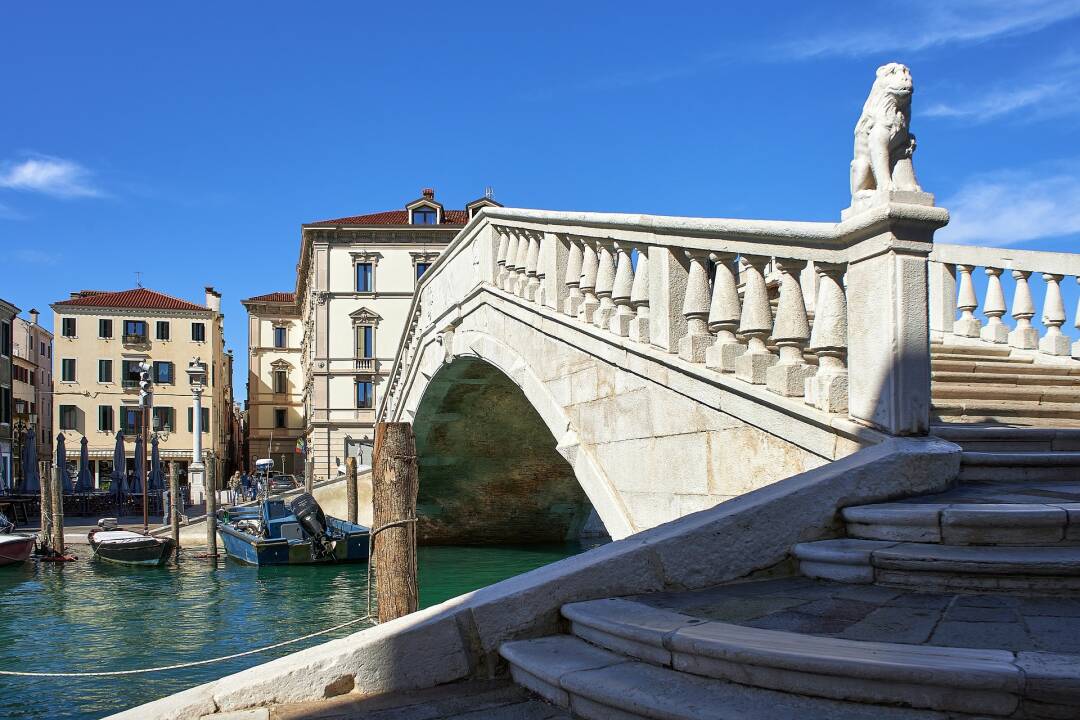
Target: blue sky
[189,142]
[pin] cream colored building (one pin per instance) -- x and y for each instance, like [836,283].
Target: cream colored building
[101,337]
[275,385]
[355,282]
[32,386]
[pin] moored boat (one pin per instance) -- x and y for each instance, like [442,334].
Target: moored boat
[15,548]
[301,534]
[125,547]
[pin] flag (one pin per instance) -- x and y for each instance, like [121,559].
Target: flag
[300,446]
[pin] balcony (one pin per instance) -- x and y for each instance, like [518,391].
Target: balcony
[130,384]
[366,364]
[141,339]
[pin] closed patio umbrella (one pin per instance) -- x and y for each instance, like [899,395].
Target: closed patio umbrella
[31,482]
[140,467]
[119,466]
[61,462]
[85,483]
[157,482]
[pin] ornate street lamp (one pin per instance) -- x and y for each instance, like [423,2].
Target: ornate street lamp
[196,371]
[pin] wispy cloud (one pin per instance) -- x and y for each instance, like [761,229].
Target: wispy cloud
[1013,207]
[49,175]
[36,257]
[930,23]
[998,102]
[9,213]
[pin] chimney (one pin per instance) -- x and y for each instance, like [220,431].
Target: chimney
[429,193]
[213,299]
[33,316]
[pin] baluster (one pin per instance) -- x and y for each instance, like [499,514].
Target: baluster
[605,282]
[589,266]
[520,279]
[755,322]
[1024,337]
[695,309]
[828,389]
[1054,342]
[500,258]
[968,325]
[573,278]
[1076,324]
[724,315]
[994,331]
[639,297]
[531,286]
[791,332]
[511,260]
[621,290]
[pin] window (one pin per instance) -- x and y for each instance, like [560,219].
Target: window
[421,268]
[365,395]
[5,405]
[162,330]
[105,422]
[163,373]
[281,381]
[198,331]
[279,337]
[5,338]
[67,327]
[131,419]
[364,277]
[279,417]
[205,420]
[135,331]
[424,216]
[104,371]
[67,370]
[164,419]
[365,341]
[104,329]
[130,373]
[68,417]
[42,348]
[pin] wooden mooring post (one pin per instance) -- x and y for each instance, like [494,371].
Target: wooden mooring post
[45,485]
[57,506]
[350,488]
[394,488]
[211,507]
[309,475]
[174,503]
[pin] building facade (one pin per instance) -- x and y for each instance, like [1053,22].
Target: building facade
[32,388]
[8,312]
[275,385]
[102,337]
[355,281]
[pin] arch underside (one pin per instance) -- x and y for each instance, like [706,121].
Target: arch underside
[488,466]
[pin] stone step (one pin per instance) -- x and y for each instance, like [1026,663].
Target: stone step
[942,567]
[946,355]
[1008,439]
[988,410]
[986,391]
[968,366]
[937,348]
[1019,466]
[596,684]
[1007,379]
[960,523]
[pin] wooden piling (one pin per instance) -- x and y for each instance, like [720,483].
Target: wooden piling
[45,485]
[350,488]
[395,484]
[309,475]
[211,507]
[174,503]
[56,481]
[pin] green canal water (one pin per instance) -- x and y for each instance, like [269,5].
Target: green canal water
[88,615]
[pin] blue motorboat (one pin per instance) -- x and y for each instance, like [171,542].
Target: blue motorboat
[271,533]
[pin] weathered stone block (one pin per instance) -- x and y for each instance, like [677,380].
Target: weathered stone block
[967,327]
[639,329]
[692,347]
[752,367]
[995,333]
[1024,338]
[721,355]
[788,380]
[1054,344]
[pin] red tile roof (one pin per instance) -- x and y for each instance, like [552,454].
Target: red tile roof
[395,217]
[140,298]
[274,297]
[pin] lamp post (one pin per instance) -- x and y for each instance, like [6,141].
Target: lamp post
[196,371]
[19,430]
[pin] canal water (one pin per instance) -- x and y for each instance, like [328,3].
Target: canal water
[89,615]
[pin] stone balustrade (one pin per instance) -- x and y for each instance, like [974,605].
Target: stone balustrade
[954,300]
[788,306]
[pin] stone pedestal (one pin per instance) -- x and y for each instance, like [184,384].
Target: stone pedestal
[788,379]
[753,365]
[722,355]
[197,482]
[1024,338]
[1054,343]
[995,332]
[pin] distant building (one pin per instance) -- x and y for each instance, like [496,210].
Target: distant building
[275,385]
[7,319]
[102,337]
[32,388]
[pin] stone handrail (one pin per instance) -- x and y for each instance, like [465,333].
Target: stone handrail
[948,261]
[697,288]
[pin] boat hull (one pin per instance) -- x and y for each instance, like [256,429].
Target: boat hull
[246,548]
[15,549]
[153,552]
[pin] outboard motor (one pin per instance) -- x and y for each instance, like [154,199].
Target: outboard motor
[313,520]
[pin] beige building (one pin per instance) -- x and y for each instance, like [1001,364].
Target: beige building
[32,387]
[275,386]
[101,339]
[355,281]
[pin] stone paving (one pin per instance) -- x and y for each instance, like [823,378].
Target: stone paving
[879,614]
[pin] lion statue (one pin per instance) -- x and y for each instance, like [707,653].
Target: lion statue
[883,145]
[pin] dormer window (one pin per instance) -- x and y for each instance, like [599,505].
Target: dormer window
[425,216]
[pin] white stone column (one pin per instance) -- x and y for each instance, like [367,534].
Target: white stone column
[1024,337]
[196,470]
[605,283]
[520,264]
[967,325]
[755,322]
[554,255]
[791,331]
[1076,324]
[994,331]
[500,257]
[942,297]
[1054,342]
[724,314]
[574,297]
[828,389]
[589,266]
[668,273]
[695,309]
[639,297]
[509,266]
[531,285]
[621,291]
